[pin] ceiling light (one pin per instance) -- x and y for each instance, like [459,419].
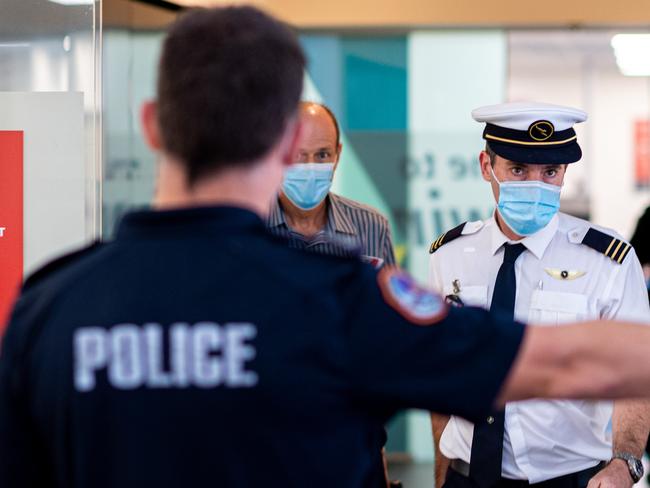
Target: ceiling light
[632,53]
[74,2]
[10,45]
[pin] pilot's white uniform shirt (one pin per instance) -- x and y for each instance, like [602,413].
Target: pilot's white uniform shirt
[558,280]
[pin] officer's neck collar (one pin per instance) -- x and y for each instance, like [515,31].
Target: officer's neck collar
[536,243]
[143,222]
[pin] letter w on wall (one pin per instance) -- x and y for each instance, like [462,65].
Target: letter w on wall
[11,220]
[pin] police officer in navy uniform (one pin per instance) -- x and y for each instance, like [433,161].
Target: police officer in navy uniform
[540,265]
[197,349]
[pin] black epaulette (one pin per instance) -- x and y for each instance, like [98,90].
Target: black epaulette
[56,264]
[447,237]
[612,247]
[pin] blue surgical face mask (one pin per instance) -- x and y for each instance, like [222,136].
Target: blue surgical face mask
[527,206]
[307,184]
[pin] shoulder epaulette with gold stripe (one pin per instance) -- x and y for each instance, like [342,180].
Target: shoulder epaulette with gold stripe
[447,237]
[612,247]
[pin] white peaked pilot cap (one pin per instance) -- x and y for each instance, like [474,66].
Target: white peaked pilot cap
[533,133]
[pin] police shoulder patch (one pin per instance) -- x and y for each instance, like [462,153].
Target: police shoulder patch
[56,264]
[415,303]
[612,247]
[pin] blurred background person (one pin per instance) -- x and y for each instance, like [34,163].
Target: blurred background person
[313,216]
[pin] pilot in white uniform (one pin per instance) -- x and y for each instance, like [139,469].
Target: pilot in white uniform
[543,267]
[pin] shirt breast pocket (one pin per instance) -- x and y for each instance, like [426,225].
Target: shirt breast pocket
[554,308]
[472,296]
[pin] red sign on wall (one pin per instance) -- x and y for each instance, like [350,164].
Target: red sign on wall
[642,153]
[11,220]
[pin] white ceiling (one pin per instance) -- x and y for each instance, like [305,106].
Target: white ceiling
[556,50]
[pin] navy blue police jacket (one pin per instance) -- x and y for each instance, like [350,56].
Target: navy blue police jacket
[196,349]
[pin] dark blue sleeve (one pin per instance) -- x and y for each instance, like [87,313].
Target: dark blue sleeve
[454,364]
[22,459]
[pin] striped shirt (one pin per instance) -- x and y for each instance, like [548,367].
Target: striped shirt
[349,224]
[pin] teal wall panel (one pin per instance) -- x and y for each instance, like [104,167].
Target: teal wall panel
[375,84]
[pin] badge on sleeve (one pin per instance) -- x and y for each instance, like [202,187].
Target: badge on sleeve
[373,261]
[415,303]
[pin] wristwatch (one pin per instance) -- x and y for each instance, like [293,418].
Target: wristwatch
[634,464]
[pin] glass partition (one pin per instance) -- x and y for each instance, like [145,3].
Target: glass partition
[50,126]
[132,36]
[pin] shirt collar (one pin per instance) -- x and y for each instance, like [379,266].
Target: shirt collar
[536,243]
[337,219]
[144,223]
[276,215]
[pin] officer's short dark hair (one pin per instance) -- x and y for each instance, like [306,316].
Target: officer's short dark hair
[328,111]
[229,80]
[491,153]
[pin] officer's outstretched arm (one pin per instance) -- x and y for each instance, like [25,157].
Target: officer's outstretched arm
[407,349]
[600,359]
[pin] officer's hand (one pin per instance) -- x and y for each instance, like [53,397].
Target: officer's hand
[614,475]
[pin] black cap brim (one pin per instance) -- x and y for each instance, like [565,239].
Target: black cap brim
[564,154]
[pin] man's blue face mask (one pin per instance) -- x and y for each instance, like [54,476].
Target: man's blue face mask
[527,206]
[307,184]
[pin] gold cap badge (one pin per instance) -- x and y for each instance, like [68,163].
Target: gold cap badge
[542,130]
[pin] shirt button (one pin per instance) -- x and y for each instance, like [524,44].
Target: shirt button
[490,420]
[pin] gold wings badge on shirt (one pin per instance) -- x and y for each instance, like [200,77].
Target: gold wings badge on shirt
[564,274]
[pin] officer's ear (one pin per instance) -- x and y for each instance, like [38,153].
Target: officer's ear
[150,127]
[486,164]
